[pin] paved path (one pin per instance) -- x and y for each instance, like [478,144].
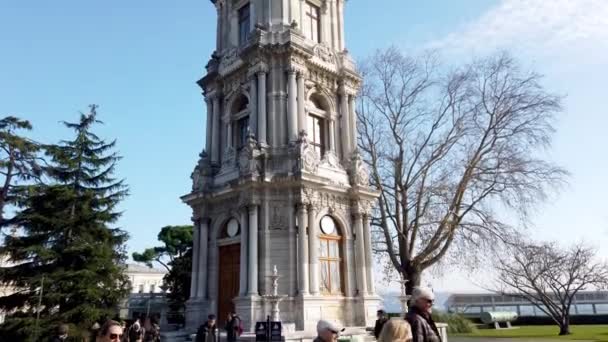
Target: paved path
[487,339]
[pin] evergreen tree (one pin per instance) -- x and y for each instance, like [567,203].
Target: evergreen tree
[19,160]
[67,241]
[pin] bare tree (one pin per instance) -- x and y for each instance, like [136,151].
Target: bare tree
[446,149]
[549,277]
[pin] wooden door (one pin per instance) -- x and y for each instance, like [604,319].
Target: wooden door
[228,287]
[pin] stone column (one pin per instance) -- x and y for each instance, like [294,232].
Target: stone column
[340,25]
[262,105]
[234,32]
[253,251]
[244,256]
[195,260]
[229,132]
[218,37]
[303,281]
[332,137]
[292,106]
[301,104]
[345,129]
[252,15]
[368,256]
[353,122]
[313,248]
[360,255]
[334,24]
[208,128]
[253,105]
[215,131]
[203,257]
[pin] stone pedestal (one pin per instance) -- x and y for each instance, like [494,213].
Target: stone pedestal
[196,312]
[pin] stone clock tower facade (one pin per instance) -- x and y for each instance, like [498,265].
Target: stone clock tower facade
[280,181]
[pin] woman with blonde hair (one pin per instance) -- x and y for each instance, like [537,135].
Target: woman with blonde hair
[396,330]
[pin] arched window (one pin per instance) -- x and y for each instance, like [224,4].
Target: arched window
[317,124]
[330,257]
[231,229]
[240,115]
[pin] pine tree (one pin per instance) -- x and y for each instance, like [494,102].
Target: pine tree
[67,241]
[19,160]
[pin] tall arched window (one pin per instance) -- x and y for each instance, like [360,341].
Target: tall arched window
[330,257]
[317,124]
[240,116]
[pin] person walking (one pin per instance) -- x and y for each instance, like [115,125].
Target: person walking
[151,330]
[137,332]
[380,322]
[62,333]
[419,316]
[233,327]
[327,331]
[396,331]
[110,331]
[208,331]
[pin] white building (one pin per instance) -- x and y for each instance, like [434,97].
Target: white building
[147,294]
[145,279]
[280,181]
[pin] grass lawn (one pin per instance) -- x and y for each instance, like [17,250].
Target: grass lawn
[579,332]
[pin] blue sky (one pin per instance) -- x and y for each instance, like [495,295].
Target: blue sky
[139,61]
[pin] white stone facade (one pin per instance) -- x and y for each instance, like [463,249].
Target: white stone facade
[280,156]
[144,279]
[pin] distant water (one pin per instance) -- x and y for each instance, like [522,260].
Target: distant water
[392,304]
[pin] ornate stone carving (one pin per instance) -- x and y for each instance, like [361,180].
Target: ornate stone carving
[229,158]
[278,220]
[325,53]
[358,170]
[200,172]
[330,159]
[248,162]
[308,159]
[229,58]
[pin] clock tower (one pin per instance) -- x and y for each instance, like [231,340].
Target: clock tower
[280,182]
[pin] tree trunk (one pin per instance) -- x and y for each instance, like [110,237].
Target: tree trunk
[564,327]
[413,276]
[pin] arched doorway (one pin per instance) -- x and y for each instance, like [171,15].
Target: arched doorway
[230,263]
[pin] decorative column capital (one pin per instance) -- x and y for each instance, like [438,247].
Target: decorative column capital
[302,207]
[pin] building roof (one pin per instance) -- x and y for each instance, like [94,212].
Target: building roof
[136,268]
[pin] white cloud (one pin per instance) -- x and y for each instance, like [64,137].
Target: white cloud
[542,28]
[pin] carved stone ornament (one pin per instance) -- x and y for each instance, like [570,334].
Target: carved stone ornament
[229,58]
[248,164]
[200,170]
[325,53]
[330,159]
[229,157]
[308,159]
[358,170]
[277,219]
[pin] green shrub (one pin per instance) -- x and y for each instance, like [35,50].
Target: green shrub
[457,324]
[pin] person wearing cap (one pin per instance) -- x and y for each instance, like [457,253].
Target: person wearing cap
[419,316]
[208,332]
[327,331]
[380,322]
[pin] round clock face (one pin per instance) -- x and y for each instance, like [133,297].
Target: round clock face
[328,226]
[233,228]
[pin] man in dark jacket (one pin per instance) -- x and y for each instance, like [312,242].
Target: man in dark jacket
[419,316]
[380,322]
[327,331]
[232,327]
[208,331]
